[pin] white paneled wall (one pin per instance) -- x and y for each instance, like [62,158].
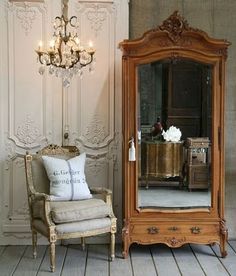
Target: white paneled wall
[37,110]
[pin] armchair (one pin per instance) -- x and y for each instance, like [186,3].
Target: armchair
[58,220]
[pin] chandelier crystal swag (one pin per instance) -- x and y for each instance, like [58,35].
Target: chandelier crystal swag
[65,56]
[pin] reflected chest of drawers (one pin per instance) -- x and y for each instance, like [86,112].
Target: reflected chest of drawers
[161,159]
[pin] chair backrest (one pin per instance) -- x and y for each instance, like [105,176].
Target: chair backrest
[36,176]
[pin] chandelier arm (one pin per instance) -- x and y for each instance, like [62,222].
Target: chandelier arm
[40,55]
[73,17]
[60,19]
[87,63]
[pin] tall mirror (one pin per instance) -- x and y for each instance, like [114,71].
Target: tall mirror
[174,134]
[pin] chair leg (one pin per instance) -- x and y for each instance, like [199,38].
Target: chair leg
[112,246]
[83,243]
[52,256]
[34,243]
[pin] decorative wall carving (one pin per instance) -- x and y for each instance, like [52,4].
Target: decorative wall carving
[26,15]
[113,150]
[28,132]
[96,131]
[96,16]
[36,109]
[23,210]
[96,164]
[25,133]
[4,6]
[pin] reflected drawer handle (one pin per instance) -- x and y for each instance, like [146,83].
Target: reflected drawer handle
[153,230]
[173,228]
[195,230]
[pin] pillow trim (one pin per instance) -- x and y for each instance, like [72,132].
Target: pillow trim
[71,181]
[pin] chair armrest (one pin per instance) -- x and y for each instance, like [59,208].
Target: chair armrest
[106,193]
[40,196]
[100,190]
[46,206]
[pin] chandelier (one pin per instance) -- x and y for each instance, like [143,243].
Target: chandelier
[65,56]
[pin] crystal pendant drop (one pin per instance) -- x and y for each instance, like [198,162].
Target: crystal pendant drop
[41,70]
[51,69]
[66,82]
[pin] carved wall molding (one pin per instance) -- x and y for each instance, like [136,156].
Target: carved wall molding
[26,12]
[26,15]
[23,210]
[97,13]
[96,16]
[96,132]
[10,152]
[28,132]
[20,163]
[113,150]
[9,147]
[36,112]
[4,4]
[96,164]
[18,235]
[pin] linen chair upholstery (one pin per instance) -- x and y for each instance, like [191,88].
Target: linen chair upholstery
[58,220]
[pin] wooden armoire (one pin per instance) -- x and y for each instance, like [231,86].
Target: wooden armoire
[176,73]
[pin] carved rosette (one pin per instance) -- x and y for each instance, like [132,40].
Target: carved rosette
[28,132]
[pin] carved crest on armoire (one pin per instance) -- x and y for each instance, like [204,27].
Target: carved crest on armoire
[174,75]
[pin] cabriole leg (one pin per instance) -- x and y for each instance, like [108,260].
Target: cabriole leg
[223,239]
[34,243]
[83,242]
[52,256]
[112,246]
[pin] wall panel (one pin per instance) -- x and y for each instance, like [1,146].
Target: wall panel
[36,110]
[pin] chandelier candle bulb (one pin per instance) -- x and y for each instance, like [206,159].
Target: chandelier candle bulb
[52,44]
[40,48]
[91,49]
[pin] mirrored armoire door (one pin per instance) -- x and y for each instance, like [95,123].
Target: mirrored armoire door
[173,114]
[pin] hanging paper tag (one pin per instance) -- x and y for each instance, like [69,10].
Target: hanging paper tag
[132,150]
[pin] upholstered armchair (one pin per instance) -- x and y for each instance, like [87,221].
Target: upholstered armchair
[65,218]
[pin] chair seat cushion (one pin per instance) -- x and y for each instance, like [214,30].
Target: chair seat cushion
[72,211]
[81,228]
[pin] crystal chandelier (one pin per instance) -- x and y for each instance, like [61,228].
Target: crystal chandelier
[65,57]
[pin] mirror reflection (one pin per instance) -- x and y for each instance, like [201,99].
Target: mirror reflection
[174,134]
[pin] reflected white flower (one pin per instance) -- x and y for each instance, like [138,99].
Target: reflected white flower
[173,134]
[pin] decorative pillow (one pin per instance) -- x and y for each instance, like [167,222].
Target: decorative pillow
[67,178]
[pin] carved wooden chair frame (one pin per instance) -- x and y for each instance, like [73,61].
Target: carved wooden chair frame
[34,196]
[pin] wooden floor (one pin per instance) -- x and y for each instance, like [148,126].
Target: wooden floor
[189,260]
